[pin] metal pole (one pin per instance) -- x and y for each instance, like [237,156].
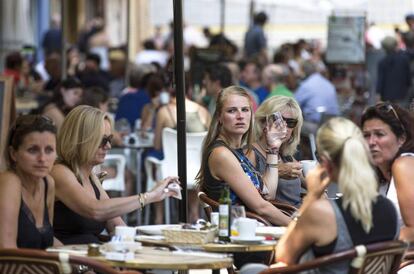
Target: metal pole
[64,29]
[180,88]
[128,36]
[222,15]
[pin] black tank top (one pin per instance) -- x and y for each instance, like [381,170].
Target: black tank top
[28,235]
[72,228]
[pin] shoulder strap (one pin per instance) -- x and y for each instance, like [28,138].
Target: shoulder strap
[95,188]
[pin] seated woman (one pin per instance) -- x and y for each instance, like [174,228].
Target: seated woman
[361,216]
[82,208]
[389,132]
[288,186]
[68,95]
[197,120]
[27,191]
[223,161]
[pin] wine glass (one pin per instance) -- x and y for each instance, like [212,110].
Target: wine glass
[237,211]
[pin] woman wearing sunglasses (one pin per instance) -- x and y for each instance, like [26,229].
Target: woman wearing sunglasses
[389,131]
[82,208]
[285,186]
[27,191]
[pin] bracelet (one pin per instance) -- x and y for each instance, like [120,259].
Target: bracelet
[295,216]
[142,199]
[272,151]
[272,165]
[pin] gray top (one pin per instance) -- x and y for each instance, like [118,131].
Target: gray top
[288,191]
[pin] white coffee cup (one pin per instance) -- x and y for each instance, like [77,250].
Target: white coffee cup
[246,228]
[308,165]
[126,233]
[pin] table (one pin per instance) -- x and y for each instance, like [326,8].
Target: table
[158,258]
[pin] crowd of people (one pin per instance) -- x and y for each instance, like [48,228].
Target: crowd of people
[50,194]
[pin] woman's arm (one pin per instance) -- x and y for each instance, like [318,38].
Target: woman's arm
[111,223]
[315,222]
[270,176]
[225,166]
[403,172]
[159,125]
[10,201]
[316,225]
[74,196]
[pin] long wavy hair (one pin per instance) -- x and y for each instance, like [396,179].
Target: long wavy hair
[281,104]
[80,136]
[215,128]
[342,143]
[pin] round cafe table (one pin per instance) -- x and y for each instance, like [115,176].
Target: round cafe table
[157,258]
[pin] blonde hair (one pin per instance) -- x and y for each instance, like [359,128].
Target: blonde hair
[80,137]
[214,129]
[281,104]
[342,142]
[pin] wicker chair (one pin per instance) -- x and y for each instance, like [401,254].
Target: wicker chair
[408,259]
[376,258]
[28,261]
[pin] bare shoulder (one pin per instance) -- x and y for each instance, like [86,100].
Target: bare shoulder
[403,163]
[318,208]
[61,173]
[9,179]
[220,154]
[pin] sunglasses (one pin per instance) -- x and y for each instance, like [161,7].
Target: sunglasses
[106,140]
[387,107]
[290,122]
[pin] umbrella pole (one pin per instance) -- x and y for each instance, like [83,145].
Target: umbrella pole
[180,93]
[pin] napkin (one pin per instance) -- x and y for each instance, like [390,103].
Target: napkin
[176,189]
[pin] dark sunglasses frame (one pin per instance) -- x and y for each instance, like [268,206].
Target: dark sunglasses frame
[290,122]
[106,140]
[387,107]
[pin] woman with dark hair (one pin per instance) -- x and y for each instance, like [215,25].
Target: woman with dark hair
[389,131]
[96,97]
[27,191]
[67,96]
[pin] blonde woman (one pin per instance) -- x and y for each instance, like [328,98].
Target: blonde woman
[285,185]
[223,160]
[82,208]
[360,216]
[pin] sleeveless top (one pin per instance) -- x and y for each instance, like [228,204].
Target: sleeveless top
[72,228]
[392,193]
[28,235]
[193,121]
[288,190]
[350,233]
[213,187]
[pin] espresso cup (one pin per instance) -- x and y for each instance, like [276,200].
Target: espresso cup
[126,233]
[246,228]
[308,165]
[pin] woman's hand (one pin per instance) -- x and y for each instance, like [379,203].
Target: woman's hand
[290,170]
[317,181]
[160,190]
[275,134]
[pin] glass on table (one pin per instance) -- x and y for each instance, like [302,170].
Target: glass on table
[237,211]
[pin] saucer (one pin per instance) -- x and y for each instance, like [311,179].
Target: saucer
[253,240]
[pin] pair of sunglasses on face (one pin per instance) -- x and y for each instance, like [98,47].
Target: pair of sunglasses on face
[106,140]
[276,117]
